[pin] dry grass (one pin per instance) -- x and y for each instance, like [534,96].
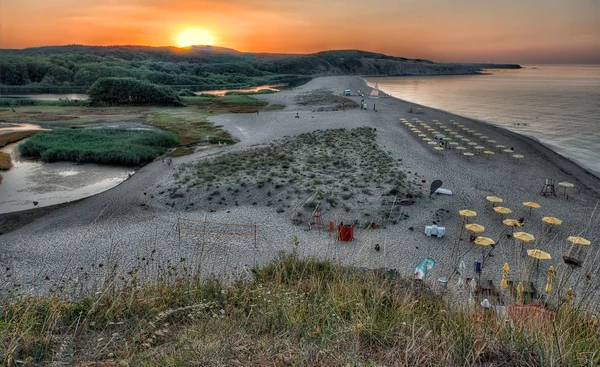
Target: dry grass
[330,169]
[5,161]
[293,312]
[13,137]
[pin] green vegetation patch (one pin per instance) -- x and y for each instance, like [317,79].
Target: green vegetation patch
[274,107]
[105,146]
[226,104]
[130,91]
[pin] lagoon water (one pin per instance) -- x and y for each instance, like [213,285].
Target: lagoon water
[558,105]
[53,183]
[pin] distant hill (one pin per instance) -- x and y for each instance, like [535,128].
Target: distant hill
[76,67]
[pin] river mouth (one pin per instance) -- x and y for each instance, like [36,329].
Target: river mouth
[32,183]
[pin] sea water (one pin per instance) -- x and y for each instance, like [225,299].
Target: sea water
[558,105]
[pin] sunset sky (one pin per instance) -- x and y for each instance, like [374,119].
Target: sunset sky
[521,31]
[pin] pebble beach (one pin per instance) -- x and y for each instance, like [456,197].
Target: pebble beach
[87,242]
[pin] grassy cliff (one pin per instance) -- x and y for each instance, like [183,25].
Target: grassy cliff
[290,312]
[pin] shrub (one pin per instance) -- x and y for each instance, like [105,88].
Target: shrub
[130,91]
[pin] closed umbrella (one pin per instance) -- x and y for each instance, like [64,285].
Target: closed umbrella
[504,281]
[520,290]
[531,205]
[551,274]
[493,199]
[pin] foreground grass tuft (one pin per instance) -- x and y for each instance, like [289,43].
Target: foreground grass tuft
[293,312]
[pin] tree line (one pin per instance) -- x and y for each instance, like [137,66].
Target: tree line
[81,66]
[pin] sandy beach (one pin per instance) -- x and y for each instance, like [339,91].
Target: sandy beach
[133,222]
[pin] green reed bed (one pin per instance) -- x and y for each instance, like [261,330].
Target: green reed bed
[104,146]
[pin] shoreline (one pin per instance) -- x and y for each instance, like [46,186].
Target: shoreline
[591,180]
[141,214]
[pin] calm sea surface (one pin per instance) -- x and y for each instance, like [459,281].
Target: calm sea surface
[560,104]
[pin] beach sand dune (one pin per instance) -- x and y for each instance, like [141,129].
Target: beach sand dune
[128,222]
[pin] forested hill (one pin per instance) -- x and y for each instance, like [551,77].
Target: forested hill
[71,67]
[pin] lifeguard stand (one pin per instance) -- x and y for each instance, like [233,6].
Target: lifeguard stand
[315,219]
[549,188]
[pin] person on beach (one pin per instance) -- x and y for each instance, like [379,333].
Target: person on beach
[169,161]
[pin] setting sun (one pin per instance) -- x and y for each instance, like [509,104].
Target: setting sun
[194,36]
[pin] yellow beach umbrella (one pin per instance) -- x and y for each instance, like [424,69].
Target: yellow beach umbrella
[461,148]
[539,254]
[489,153]
[512,223]
[484,241]
[467,213]
[493,199]
[552,221]
[439,149]
[468,154]
[475,228]
[551,274]
[531,205]
[566,185]
[502,211]
[524,236]
[579,241]
[432,143]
